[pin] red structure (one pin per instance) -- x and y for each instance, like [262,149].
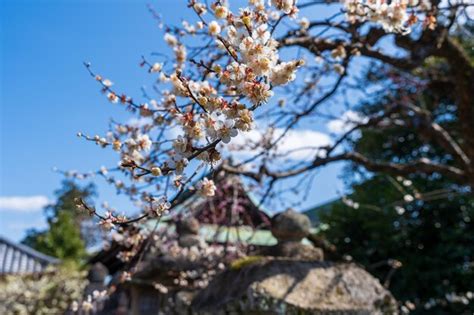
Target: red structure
[232,204]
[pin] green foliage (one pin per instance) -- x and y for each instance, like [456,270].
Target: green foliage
[63,238]
[433,240]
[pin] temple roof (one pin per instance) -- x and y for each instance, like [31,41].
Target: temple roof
[232,205]
[18,258]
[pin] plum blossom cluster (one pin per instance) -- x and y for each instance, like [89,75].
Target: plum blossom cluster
[256,66]
[394,16]
[130,239]
[202,103]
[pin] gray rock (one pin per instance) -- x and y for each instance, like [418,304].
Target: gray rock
[290,226]
[189,240]
[188,232]
[188,225]
[284,286]
[294,250]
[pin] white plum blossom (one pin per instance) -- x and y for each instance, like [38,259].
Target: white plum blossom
[284,72]
[177,163]
[107,83]
[220,127]
[214,28]
[206,187]
[200,8]
[113,98]
[339,68]
[180,145]
[392,16]
[339,52]
[258,92]
[159,207]
[407,182]
[143,142]
[171,40]
[107,223]
[350,203]
[399,210]
[304,23]
[156,67]
[287,6]
[191,29]
[221,12]
[161,288]
[87,304]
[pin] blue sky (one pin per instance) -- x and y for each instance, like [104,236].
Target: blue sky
[46,96]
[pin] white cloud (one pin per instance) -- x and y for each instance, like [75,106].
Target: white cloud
[23,203]
[139,122]
[297,144]
[23,225]
[170,132]
[348,120]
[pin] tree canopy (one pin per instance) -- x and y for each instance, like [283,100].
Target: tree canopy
[387,219]
[394,77]
[64,237]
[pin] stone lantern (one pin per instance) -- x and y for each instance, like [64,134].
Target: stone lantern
[188,232]
[290,228]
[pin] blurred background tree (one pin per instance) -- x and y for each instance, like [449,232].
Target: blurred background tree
[387,217]
[68,234]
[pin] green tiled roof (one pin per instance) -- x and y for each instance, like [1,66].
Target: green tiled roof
[214,233]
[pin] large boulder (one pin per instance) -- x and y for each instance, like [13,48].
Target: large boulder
[285,286]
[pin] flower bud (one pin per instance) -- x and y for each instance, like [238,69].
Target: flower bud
[156,171]
[202,100]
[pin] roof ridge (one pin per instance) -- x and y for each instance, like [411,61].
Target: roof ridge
[30,251]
